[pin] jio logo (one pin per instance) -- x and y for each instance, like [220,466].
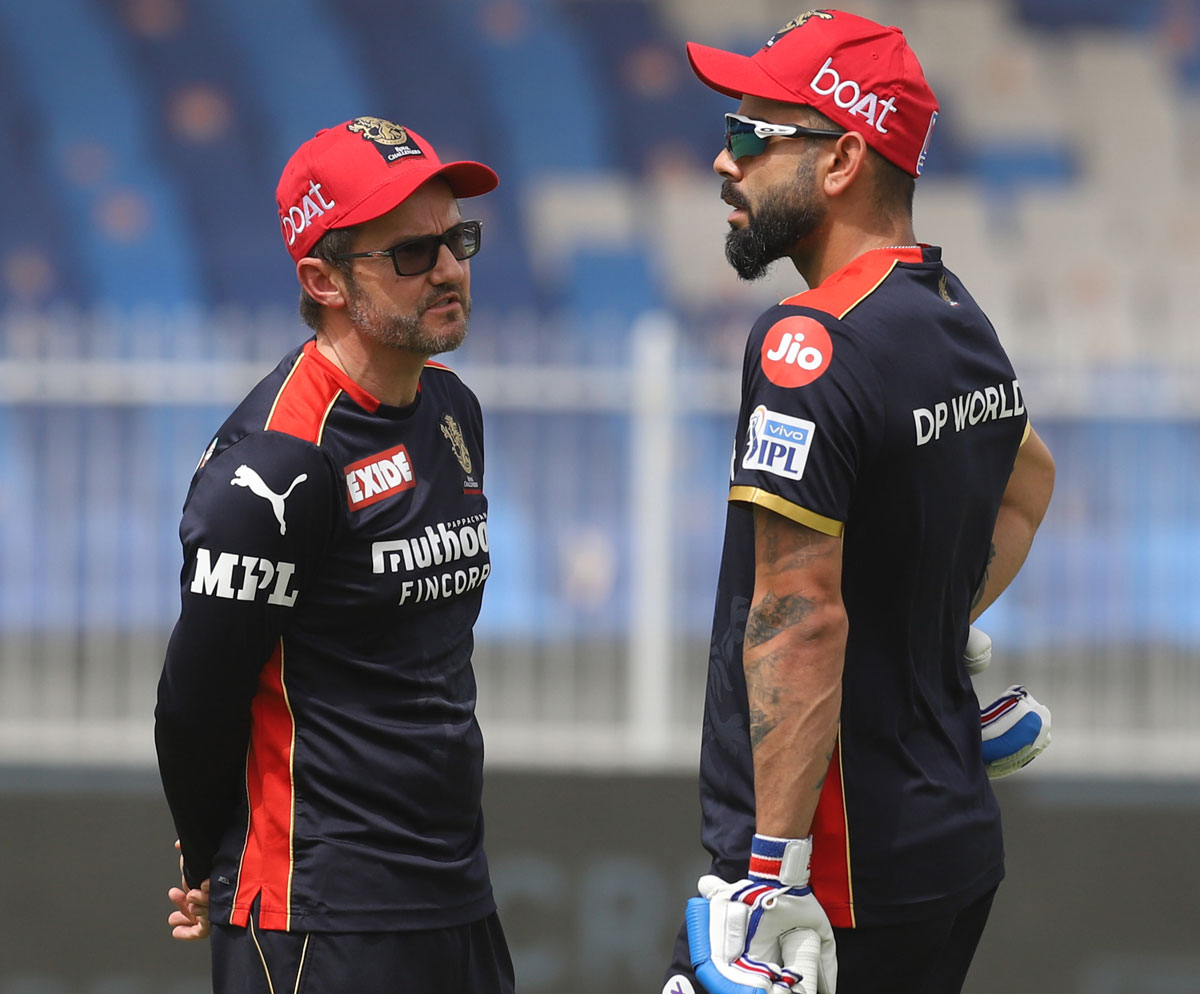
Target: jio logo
[796,351]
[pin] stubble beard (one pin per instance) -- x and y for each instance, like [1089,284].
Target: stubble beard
[410,332]
[774,228]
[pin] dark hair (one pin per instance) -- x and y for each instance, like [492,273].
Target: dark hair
[894,188]
[333,242]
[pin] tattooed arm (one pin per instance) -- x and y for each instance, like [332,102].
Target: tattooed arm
[1021,511]
[793,655]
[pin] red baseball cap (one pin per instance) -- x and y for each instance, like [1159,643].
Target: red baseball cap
[358,170]
[854,71]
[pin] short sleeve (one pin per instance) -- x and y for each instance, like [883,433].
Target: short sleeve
[259,514]
[811,415]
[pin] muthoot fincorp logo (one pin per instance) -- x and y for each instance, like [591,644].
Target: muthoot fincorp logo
[434,547]
[438,546]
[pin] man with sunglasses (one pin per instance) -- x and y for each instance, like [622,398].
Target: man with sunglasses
[316,723]
[885,488]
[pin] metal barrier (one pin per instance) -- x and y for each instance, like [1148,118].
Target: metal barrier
[606,478]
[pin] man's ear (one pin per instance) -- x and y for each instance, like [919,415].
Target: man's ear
[322,281]
[849,160]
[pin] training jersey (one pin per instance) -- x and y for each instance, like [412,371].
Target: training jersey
[879,407]
[316,725]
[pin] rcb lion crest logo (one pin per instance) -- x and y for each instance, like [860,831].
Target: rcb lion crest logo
[454,436]
[390,140]
[379,131]
[798,22]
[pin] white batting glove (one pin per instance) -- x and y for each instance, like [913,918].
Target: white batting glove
[1015,730]
[767,932]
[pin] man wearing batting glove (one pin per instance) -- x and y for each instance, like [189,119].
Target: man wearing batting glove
[885,487]
[1015,727]
[766,932]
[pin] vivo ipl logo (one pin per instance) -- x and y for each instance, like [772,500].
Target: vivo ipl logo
[776,443]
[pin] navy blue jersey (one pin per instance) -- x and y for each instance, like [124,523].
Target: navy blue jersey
[316,722]
[880,407]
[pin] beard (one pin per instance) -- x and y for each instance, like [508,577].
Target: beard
[773,228]
[410,332]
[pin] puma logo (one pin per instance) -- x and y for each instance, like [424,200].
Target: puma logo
[244,476]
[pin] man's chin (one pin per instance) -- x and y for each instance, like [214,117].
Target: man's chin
[445,339]
[752,275]
[749,269]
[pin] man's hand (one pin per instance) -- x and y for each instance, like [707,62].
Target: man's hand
[978,652]
[765,933]
[1015,730]
[190,920]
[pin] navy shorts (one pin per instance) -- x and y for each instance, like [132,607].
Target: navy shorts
[930,956]
[453,960]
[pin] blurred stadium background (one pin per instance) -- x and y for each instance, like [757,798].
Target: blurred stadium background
[143,289]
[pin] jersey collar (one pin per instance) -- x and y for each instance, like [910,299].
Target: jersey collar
[356,393]
[841,291]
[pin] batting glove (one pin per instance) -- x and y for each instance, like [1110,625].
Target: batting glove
[978,652]
[1016,730]
[764,933]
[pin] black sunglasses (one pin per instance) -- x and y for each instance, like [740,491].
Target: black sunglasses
[746,136]
[415,256]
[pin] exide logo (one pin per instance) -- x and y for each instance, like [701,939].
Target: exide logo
[379,476]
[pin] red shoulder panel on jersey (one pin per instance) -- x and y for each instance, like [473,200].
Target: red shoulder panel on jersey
[304,400]
[853,283]
[266,866]
[830,876]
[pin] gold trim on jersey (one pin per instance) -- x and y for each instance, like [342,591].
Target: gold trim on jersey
[325,417]
[279,393]
[291,778]
[796,299]
[846,822]
[233,905]
[895,262]
[433,364]
[1025,433]
[794,512]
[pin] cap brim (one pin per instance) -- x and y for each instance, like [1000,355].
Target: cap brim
[466,179]
[735,75]
[469,179]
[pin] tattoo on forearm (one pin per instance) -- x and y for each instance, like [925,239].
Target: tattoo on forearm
[774,614]
[788,558]
[761,725]
[984,582]
[783,546]
[763,693]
